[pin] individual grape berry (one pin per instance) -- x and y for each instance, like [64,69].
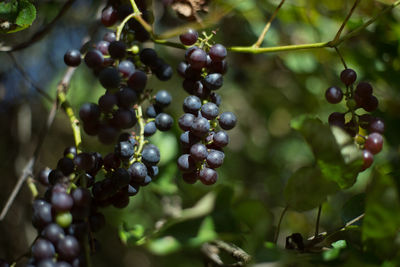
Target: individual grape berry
[150,128]
[363,89]
[84,161]
[121,177]
[221,139]
[208,176]
[125,150]
[185,121]
[81,197]
[334,95]
[108,134]
[109,16]
[376,126]
[163,98]
[190,177]
[200,127]
[192,86]
[109,78]
[182,66]
[152,111]
[209,111]
[111,161]
[107,102]
[68,248]
[70,152]
[198,152]
[61,201]
[42,249]
[102,46]
[46,263]
[117,49]
[126,98]
[186,163]
[163,122]
[138,172]
[374,143]
[137,81]
[370,103]
[94,59]
[368,159]
[213,81]
[72,58]
[164,72]
[187,139]
[336,119]
[348,76]
[217,52]
[198,59]
[192,104]
[192,73]
[66,166]
[42,215]
[218,67]
[215,159]
[123,119]
[43,176]
[189,51]
[109,37]
[148,56]
[150,155]
[53,232]
[227,120]
[89,112]
[152,171]
[126,68]
[189,37]
[216,98]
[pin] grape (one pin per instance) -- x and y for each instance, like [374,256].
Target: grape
[187,139]
[227,120]
[192,104]
[148,56]
[163,99]
[215,158]
[182,66]
[43,177]
[213,81]
[109,16]
[53,233]
[109,78]
[46,263]
[348,76]
[117,49]
[216,98]
[189,37]
[218,67]
[186,163]
[108,134]
[126,68]
[185,121]
[150,155]
[70,152]
[151,111]
[72,58]
[217,52]
[376,126]
[334,95]
[97,221]
[150,128]
[152,171]
[84,161]
[192,73]
[351,128]
[66,166]
[107,102]
[42,215]
[55,176]
[368,159]
[138,172]
[164,72]
[91,128]
[209,111]
[208,176]
[163,122]
[374,143]
[61,201]
[111,161]
[221,139]
[370,104]
[94,58]
[337,119]
[197,59]
[125,150]
[68,248]
[121,177]
[200,127]
[137,81]
[364,89]
[190,177]
[42,249]
[189,51]
[126,97]
[89,112]
[198,152]
[109,37]
[146,181]
[191,86]
[81,197]
[102,46]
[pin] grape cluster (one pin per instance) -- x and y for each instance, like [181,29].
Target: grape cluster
[202,143]
[366,129]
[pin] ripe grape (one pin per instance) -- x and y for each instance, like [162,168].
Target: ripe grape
[164,122]
[209,111]
[200,127]
[117,49]
[364,89]
[163,98]
[126,68]
[150,128]
[197,59]
[348,76]
[189,37]
[217,52]
[137,81]
[192,104]
[227,120]
[150,155]
[42,249]
[374,143]
[334,95]
[208,176]
[186,163]
[368,159]
[68,248]
[221,139]
[94,58]
[198,152]
[376,125]
[72,58]
[109,78]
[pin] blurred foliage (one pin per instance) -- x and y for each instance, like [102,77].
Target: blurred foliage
[269,164]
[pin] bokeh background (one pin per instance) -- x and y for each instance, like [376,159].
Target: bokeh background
[266,91]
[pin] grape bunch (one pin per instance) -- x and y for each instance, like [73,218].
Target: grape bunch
[366,129]
[202,142]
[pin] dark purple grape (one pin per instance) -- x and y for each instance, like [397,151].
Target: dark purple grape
[102,46]
[213,81]
[368,159]
[109,78]
[364,89]
[81,197]
[107,134]
[186,163]
[109,37]
[42,215]
[55,176]
[374,143]
[198,59]
[151,111]
[163,122]
[84,161]
[43,176]
[46,263]
[209,111]
[138,172]
[68,248]
[182,66]
[63,264]
[187,139]
[111,161]
[109,16]
[198,152]
[94,59]
[370,103]
[124,119]
[150,155]
[125,150]
[190,177]
[192,104]
[42,249]
[217,52]
[334,95]
[163,98]
[189,51]
[215,159]
[216,98]
[146,181]
[91,128]
[200,127]
[192,73]
[185,121]
[227,120]
[126,68]
[121,177]
[117,49]
[221,139]
[348,76]
[152,171]
[208,176]
[66,165]
[150,129]
[72,58]
[218,67]
[337,119]
[61,202]
[190,86]
[126,97]
[189,37]
[137,81]
[70,152]
[53,232]
[148,56]
[376,126]
[107,102]
[89,112]
[164,72]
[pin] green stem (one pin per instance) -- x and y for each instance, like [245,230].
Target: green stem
[259,50]
[141,141]
[122,25]
[278,228]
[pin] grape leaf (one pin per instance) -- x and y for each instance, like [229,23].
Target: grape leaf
[16,15]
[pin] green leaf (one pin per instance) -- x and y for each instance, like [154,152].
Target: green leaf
[335,252]
[16,15]
[26,13]
[307,189]
[131,235]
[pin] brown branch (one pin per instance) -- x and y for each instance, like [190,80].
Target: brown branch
[278,228]
[345,21]
[41,33]
[212,250]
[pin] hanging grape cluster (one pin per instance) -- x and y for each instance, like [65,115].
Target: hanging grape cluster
[366,129]
[202,142]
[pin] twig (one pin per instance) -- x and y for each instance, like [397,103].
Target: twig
[41,33]
[337,36]
[28,78]
[211,251]
[268,25]
[341,57]
[278,227]
[354,220]
[317,223]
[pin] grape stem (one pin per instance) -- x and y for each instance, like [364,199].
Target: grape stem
[317,222]
[142,141]
[278,227]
